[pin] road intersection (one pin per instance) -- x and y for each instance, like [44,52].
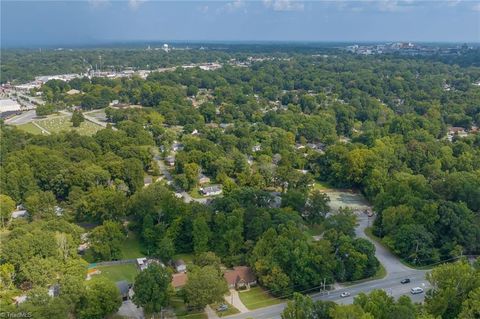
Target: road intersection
[396,271]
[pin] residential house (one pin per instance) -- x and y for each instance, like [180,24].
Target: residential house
[240,277]
[142,263]
[179,280]
[20,212]
[19,299]
[73,92]
[147,180]
[170,160]
[256,148]
[211,190]
[202,179]
[456,131]
[177,146]
[180,266]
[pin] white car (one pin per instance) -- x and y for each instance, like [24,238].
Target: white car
[345,294]
[416,290]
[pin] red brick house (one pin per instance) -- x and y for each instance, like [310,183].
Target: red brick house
[240,277]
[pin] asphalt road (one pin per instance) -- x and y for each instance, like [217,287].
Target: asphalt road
[23,118]
[186,196]
[391,285]
[396,271]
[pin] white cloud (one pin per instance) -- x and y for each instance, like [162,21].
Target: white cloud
[235,5]
[284,5]
[134,4]
[99,3]
[394,5]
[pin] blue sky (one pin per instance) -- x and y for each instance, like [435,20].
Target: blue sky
[46,23]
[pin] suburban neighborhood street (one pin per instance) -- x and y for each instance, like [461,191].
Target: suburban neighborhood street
[163,169]
[396,271]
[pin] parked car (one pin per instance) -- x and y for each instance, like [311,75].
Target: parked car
[223,307]
[344,294]
[405,281]
[416,290]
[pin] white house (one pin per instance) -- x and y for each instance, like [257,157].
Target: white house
[211,190]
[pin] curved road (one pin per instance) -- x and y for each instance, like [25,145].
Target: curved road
[163,169]
[396,271]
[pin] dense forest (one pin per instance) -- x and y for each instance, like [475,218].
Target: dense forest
[374,124]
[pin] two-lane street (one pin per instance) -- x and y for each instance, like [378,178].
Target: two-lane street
[396,271]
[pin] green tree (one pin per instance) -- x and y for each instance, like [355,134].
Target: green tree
[349,312]
[41,205]
[106,241]
[77,118]
[101,298]
[301,307]
[192,170]
[7,276]
[45,109]
[7,206]
[204,286]
[165,248]
[316,207]
[201,235]
[451,286]
[471,306]
[152,288]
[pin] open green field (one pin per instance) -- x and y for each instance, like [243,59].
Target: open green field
[59,123]
[30,128]
[119,272]
[181,311]
[131,247]
[256,298]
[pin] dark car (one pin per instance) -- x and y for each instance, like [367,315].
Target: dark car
[223,307]
[405,281]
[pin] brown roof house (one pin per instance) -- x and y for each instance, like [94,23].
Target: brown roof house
[179,280]
[240,277]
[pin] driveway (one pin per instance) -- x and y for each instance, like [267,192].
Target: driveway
[389,261]
[163,169]
[396,271]
[234,299]
[129,310]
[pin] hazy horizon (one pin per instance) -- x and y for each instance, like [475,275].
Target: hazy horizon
[102,22]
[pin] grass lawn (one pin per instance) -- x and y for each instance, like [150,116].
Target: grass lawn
[132,247]
[30,128]
[187,258]
[180,310]
[321,186]
[230,311]
[119,272]
[195,193]
[58,123]
[256,298]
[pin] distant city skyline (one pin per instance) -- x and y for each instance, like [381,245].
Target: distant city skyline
[97,22]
